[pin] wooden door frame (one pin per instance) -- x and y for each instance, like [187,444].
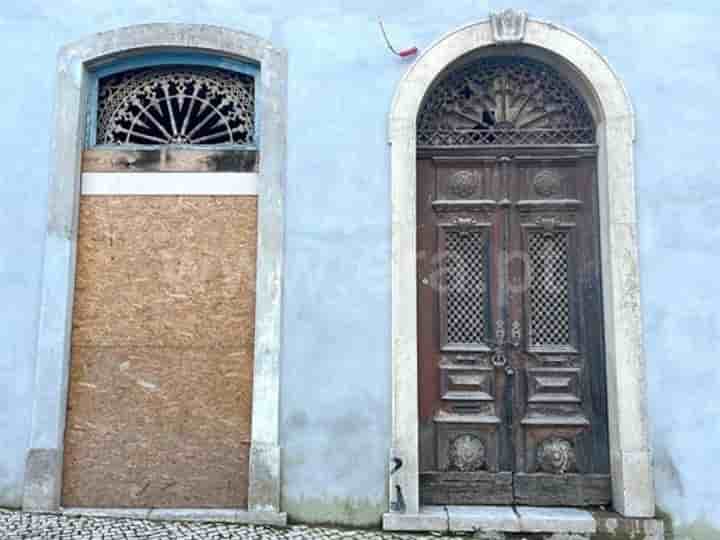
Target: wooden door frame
[590,73]
[76,62]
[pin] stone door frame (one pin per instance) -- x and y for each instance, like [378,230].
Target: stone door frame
[43,473]
[577,60]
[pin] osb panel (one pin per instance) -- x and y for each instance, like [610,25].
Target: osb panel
[157,428]
[161,379]
[165,271]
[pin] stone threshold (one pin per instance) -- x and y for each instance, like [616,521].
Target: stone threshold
[220,515]
[522,519]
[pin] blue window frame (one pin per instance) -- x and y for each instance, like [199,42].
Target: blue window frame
[160,59]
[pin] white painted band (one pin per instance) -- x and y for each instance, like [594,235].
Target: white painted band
[164,183]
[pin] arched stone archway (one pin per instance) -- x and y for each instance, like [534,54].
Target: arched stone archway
[632,485]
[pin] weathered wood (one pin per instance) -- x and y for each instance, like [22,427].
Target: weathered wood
[549,398]
[169,159]
[468,153]
[562,489]
[466,488]
[428,336]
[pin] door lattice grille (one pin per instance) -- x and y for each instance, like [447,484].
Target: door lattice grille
[465,286]
[549,289]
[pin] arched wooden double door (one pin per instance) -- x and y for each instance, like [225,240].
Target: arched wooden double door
[512,386]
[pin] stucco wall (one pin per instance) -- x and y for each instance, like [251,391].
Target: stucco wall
[335,423]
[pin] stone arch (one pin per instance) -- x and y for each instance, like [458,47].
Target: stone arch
[76,63]
[511,32]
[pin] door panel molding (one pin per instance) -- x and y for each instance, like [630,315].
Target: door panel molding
[502,393]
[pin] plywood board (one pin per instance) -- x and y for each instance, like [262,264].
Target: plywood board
[161,380]
[167,271]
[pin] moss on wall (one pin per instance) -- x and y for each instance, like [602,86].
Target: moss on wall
[351,512]
[700,529]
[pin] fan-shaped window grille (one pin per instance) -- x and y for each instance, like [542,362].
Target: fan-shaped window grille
[504,100]
[176,105]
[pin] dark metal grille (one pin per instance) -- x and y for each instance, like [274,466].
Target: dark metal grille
[465,286]
[504,101]
[549,289]
[176,105]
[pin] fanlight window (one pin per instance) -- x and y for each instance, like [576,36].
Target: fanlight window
[176,105]
[504,100]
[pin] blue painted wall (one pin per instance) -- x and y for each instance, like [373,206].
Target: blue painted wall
[337,317]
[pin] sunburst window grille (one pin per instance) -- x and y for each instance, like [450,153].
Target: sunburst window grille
[512,101]
[185,105]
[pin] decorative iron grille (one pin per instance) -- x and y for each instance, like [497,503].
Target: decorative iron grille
[501,100]
[176,105]
[549,289]
[465,286]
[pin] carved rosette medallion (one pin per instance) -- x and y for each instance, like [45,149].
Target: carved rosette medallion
[555,456]
[466,454]
[547,183]
[463,184]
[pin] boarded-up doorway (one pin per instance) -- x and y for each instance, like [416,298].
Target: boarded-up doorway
[160,391]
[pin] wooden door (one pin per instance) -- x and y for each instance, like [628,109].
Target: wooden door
[511,362]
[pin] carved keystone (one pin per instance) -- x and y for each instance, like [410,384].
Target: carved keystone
[508,26]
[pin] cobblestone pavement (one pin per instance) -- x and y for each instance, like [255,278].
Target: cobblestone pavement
[21,525]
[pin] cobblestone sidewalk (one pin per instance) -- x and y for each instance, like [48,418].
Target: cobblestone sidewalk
[22,526]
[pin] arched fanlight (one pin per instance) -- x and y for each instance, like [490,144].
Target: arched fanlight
[176,105]
[504,100]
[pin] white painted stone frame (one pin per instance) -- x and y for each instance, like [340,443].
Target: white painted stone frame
[169,183]
[43,473]
[632,484]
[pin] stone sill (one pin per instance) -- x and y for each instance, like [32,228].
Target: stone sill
[224,515]
[523,519]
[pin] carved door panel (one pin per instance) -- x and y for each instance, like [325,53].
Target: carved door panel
[511,363]
[560,420]
[464,440]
